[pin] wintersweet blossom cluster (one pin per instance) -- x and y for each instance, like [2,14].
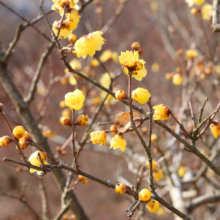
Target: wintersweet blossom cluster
[131,62]
[86,45]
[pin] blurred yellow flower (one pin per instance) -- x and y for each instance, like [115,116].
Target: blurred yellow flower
[215,128]
[177,79]
[98,137]
[191,53]
[94,62]
[75,99]
[75,64]
[118,141]
[206,11]
[89,44]
[158,175]
[181,171]
[155,67]
[48,133]
[105,80]
[106,55]
[72,80]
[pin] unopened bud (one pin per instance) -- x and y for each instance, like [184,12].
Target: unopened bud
[1,107]
[66,121]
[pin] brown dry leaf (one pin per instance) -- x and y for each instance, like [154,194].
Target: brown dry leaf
[122,120]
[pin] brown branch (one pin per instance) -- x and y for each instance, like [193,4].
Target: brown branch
[33,214]
[203,200]
[24,19]
[190,147]
[115,16]
[37,74]
[8,52]
[202,110]
[44,198]
[63,211]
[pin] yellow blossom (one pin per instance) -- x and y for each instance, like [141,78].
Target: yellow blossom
[72,80]
[98,137]
[161,112]
[154,137]
[106,55]
[75,64]
[206,11]
[105,80]
[154,165]
[18,132]
[35,160]
[75,99]
[121,95]
[89,44]
[48,133]
[96,100]
[60,4]
[155,67]
[177,79]
[64,32]
[215,128]
[129,59]
[191,53]
[181,171]
[158,175]
[141,95]
[94,62]
[118,141]
[199,2]
[66,112]
[192,2]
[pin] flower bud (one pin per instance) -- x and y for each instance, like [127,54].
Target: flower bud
[18,132]
[135,46]
[141,95]
[82,120]
[161,112]
[72,38]
[1,107]
[120,188]
[5,141]
[114,130]
[121,95]
[153,205]
[66,121]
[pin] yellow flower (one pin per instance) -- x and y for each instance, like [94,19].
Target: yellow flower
[199,2]
[94,62]
[154,137]
[48,133]
[141,95]
[181,171]
[106,55]
[60,4]
[129,59]
[83,120]
[154,165]
[161,112]
[35,160]
[89,44]
[64,32]
[191,53]
[66,112]
[153,205]
[75,100]
[105,80]
[98,137]
[177,79]
[118,141]
[155,67]
[215,128]
[72,80]
[206,11]
[75,64]
[192,2]
[5,141]
[158,174]
[73,14]
[138,74]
